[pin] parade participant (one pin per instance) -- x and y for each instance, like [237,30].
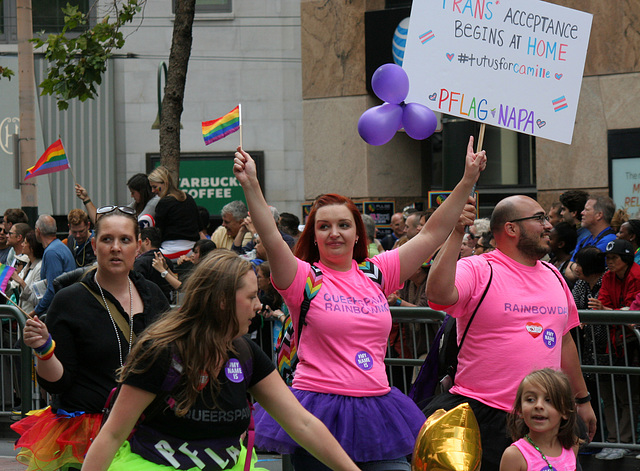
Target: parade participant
[513,331]
[542,425]
[89,330]
[190,373]
[341,376]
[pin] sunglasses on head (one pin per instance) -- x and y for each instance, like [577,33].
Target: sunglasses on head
[109,209]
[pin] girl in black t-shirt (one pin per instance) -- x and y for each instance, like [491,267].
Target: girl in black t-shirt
[190,373]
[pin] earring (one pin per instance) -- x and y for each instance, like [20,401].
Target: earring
[357,239]
[315,242]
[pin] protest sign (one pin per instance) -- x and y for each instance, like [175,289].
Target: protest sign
[516,64]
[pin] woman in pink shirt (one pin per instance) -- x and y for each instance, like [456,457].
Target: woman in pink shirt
[340,377]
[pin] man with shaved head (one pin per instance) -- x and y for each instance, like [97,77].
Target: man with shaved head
[522,324]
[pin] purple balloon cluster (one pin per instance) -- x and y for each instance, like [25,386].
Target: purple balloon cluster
[379,124]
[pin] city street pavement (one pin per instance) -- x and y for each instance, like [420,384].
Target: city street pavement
[273,462]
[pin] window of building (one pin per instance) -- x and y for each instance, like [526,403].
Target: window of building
[210,6]
[510,166]
[47,17]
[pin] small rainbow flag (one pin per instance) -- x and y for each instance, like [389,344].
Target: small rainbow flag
[5,275]
[53,160]
[221,127]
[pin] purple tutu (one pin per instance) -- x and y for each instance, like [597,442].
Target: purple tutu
[368,428]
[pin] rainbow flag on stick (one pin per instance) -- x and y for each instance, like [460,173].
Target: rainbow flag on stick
[53,160]
[221,127]
[5,275]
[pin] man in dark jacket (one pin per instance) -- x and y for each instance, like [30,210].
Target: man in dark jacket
[150,244]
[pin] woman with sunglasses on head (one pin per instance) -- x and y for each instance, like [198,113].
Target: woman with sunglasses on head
[341,376]
[89,330]
[177,215]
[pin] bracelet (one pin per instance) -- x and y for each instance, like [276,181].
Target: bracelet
[86,202]
[583,400]
[45,351]
[398,302]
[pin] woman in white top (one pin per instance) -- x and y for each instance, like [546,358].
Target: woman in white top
[30,274]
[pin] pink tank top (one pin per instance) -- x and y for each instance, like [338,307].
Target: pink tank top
[565,462]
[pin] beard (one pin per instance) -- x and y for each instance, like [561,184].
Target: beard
[533,246]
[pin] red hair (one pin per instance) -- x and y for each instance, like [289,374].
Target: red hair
[307,250]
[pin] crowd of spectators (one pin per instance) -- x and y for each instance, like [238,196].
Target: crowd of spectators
[162,237]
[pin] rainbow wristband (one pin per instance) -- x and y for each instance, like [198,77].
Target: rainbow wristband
[45,351]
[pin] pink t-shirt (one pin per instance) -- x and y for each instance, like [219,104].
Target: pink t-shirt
[565,462]
[344,341]
[517,329]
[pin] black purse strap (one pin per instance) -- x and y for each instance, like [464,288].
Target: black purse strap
[464,335]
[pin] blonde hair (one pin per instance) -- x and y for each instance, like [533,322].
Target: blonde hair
[162,176]
[200,331]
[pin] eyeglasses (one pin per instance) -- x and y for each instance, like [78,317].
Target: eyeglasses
[541,218]
[109,209]
[11,233]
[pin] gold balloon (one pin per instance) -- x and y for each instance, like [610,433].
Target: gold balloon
[448,441]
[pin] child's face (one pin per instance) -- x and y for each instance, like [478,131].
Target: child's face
[537,410]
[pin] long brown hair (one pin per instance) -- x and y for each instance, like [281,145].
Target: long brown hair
[558,388]
[200,331]
[307,250]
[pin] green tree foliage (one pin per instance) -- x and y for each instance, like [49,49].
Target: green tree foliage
[77,62]
[6,72]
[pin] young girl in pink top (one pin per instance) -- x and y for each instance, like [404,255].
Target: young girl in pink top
[340,377]
[543,423]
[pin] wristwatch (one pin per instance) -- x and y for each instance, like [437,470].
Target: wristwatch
[164,274]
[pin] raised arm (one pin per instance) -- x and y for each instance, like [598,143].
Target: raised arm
[283,263]
[129,405]
[441,222]
[442,274]
[300,424]
[88,204]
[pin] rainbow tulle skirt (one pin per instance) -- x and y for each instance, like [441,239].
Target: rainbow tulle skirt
[51,441]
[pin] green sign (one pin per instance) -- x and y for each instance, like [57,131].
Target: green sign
[209,178]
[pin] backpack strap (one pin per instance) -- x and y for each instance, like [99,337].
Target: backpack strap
[311,289]
[373,272]
[464,335]
[549,266]
[602,234]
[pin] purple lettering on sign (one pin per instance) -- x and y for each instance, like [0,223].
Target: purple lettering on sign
[550,338]
[233,371]
[364,361]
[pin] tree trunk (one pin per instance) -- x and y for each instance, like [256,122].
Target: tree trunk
[172,103]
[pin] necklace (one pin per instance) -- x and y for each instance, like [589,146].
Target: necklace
[115,328]
[539,450]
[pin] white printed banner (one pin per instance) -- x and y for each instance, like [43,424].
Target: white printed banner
[516,64]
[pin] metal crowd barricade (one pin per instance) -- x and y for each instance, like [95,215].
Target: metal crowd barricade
[416,328]
[617,376]
[16,386]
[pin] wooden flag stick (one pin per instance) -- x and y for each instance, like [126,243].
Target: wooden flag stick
[240,119]
[13,302]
